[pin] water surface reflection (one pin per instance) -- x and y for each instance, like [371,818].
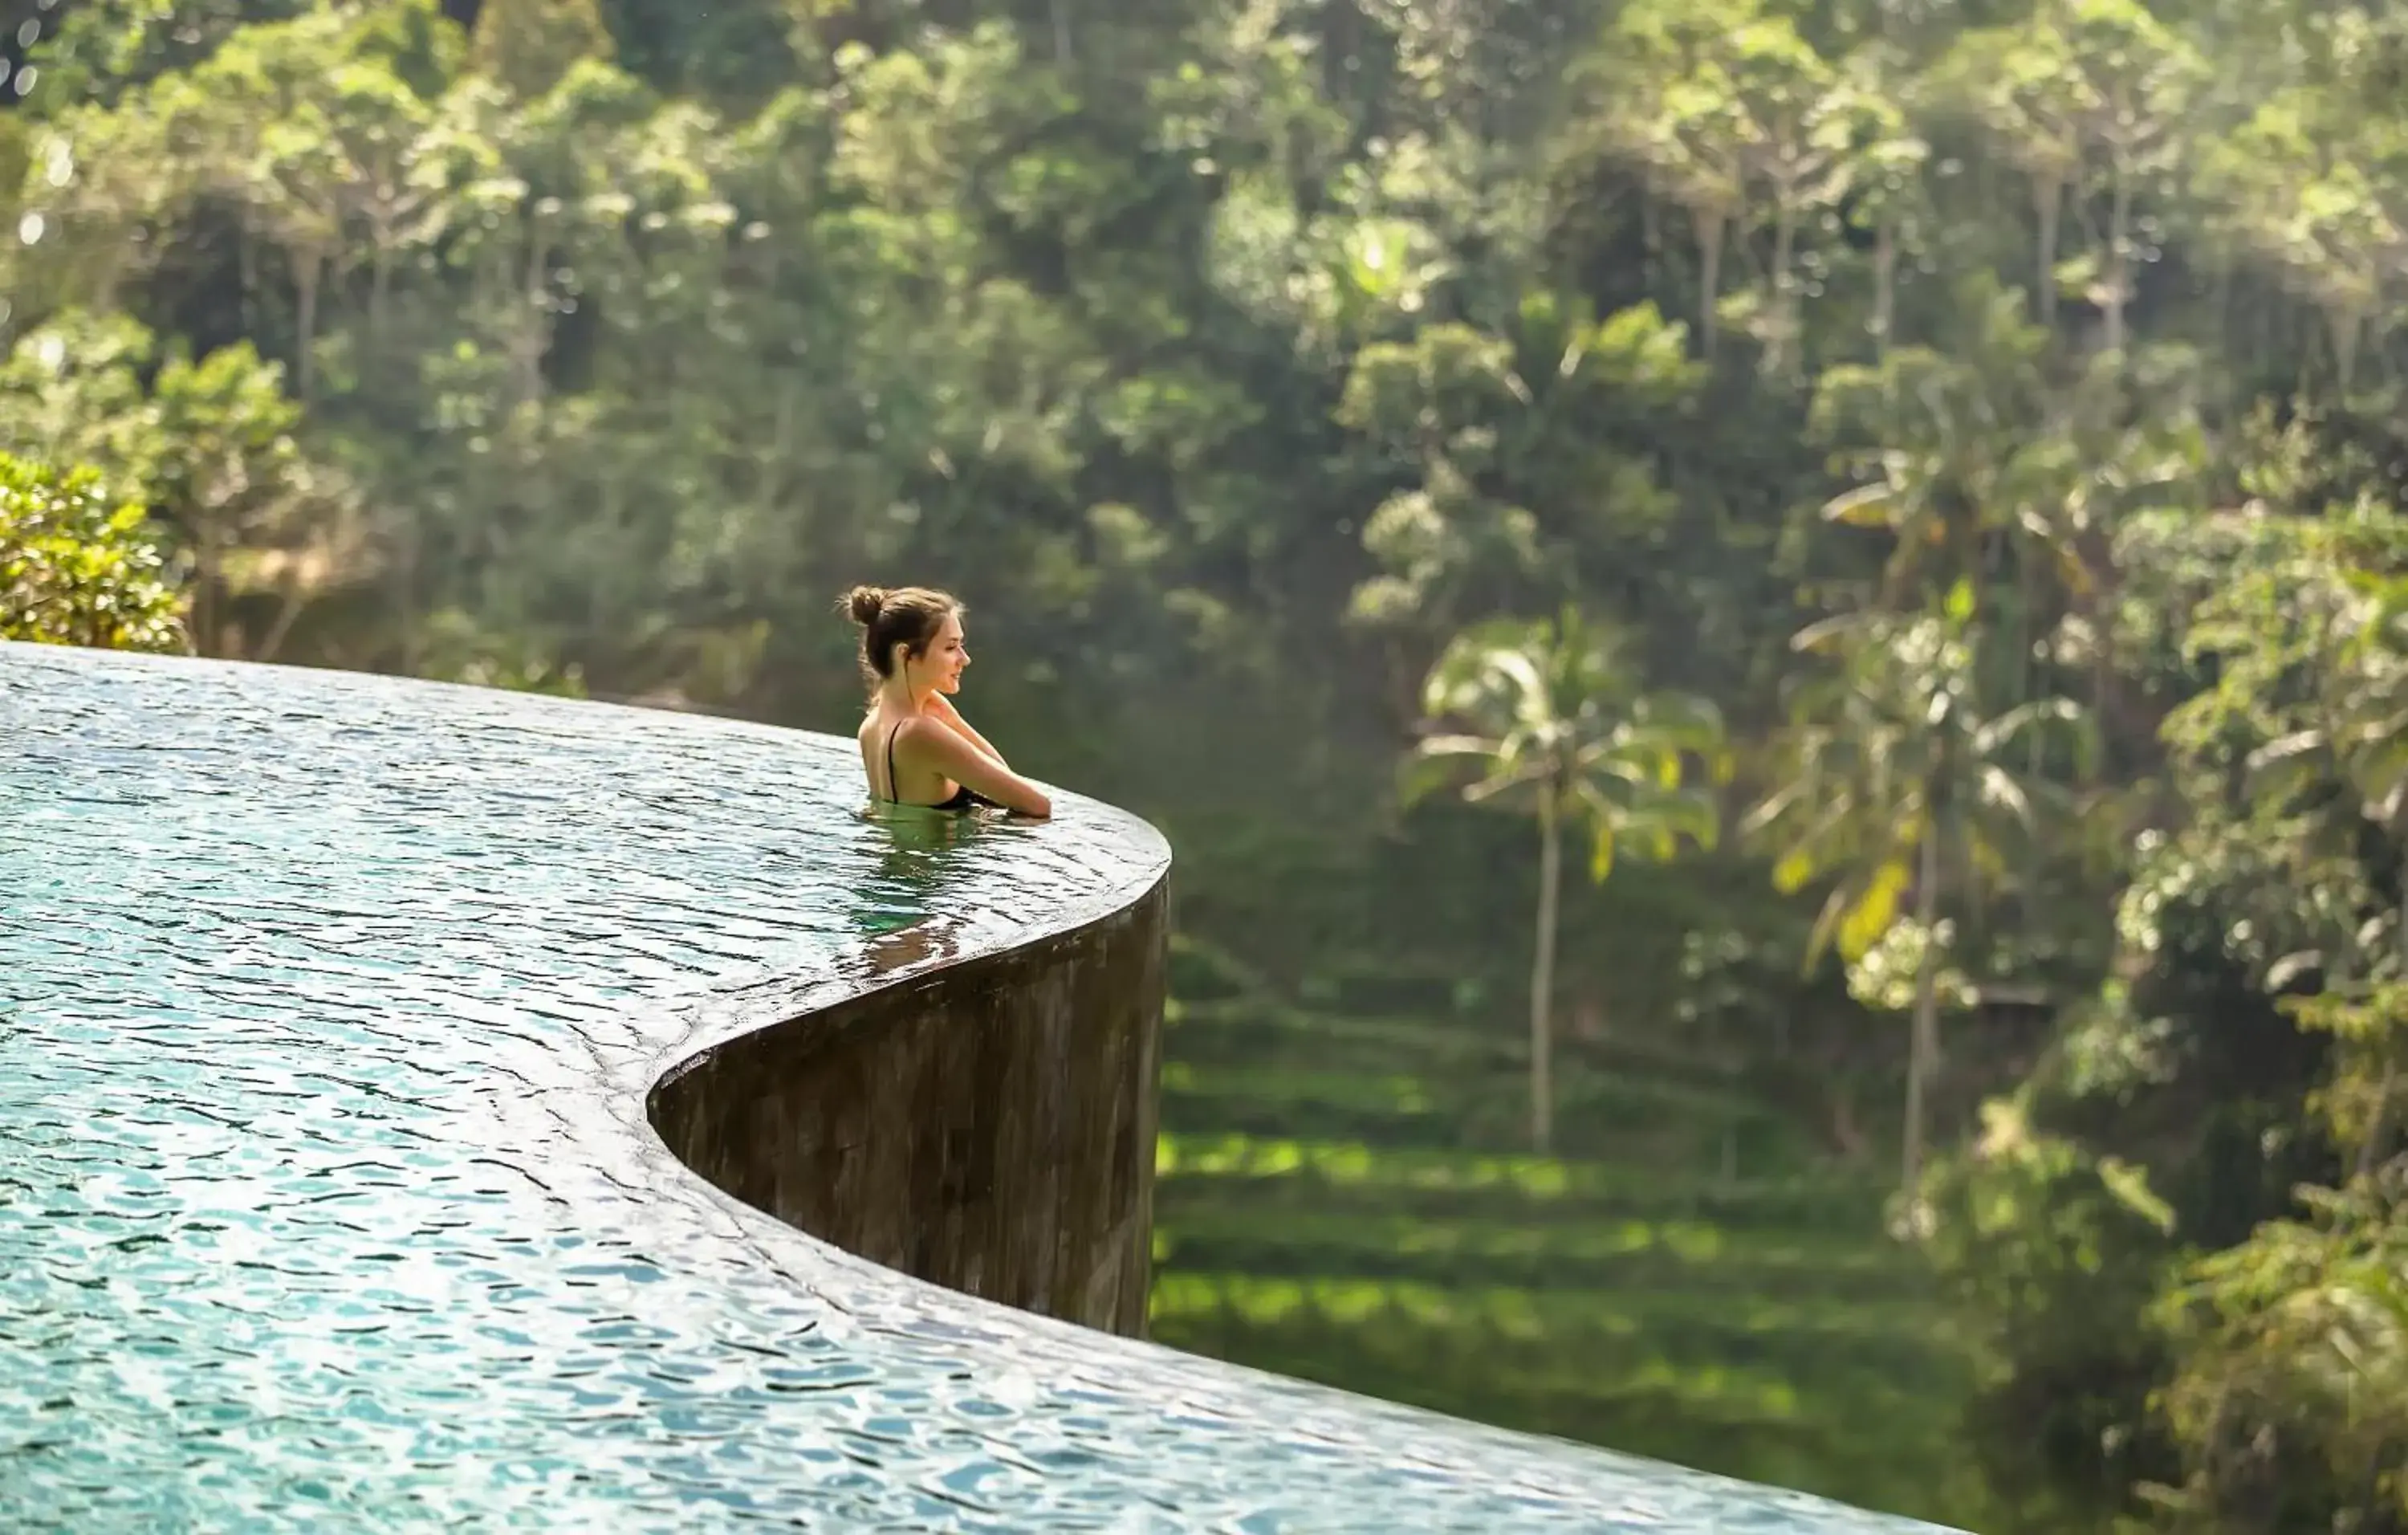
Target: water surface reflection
[327,1008]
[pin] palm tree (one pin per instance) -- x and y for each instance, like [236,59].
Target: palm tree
[1981,470]
[1893,779]
[1551,722]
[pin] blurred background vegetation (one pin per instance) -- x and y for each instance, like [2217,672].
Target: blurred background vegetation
[1770,631]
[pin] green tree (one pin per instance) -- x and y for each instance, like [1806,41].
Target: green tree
[1893,785]
[2080,94]
[528,45]
[2285,1395]
[1726,106]
[2291,1398]
[2311,189]
[1275,344]
[79,569]
[2359,739]
[1988,467]
[1528,459]
[210,448]
[1552,722]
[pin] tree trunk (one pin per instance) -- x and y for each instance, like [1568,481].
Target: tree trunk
[1783,320]
[409,547]
[245,266]
[2119,225]
[1708,222]
[289,611]
[2031,670]
[209,552]
[2221,300]
[379,284]
[1542,973]
[1884,283]
[533,336]
[2048,198]
[2346,324]
[306,268]
[1923,1044]
[781,434]
[2370,1154]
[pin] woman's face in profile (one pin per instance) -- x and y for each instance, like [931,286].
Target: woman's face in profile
[947,655]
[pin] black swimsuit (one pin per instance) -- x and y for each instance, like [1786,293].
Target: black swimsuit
[964,796]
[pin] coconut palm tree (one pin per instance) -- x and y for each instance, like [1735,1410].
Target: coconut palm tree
[1548,719]
[1893,780]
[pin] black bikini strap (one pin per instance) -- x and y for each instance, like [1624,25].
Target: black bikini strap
[892,791]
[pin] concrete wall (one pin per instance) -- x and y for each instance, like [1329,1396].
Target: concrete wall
[988,1126]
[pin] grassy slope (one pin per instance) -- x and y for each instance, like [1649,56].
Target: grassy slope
[1337,1201]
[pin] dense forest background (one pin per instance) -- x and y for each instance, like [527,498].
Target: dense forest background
[1891,504]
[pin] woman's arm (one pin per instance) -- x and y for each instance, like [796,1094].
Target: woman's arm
[943,708]
[946,752]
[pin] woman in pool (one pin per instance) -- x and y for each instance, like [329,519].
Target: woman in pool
[915,746]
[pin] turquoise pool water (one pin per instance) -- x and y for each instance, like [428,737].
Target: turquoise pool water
[327,1007]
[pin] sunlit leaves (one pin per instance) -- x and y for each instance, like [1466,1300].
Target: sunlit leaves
[1892,741]
[2314,189]
[1869,917]
[77,567]
[2294,1350]
[208,446]
[2080,96]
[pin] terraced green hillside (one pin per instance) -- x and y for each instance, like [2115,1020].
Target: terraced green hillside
[1337,1201]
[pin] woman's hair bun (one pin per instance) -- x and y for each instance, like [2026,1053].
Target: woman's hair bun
[863,603]
[910,617]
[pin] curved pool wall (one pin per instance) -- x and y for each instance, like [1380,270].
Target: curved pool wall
[335,1014]
[988,1126]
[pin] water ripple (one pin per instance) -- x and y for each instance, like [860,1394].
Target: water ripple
[327,1009]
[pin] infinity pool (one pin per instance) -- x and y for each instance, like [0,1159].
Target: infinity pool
[328,1005]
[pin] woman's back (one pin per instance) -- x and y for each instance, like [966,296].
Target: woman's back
[900,782]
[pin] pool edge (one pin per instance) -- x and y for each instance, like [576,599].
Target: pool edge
[982,1121]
